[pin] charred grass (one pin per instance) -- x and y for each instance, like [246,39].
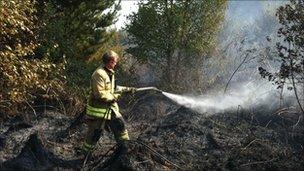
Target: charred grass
[164,136]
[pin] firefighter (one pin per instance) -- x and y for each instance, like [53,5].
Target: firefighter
[102,108]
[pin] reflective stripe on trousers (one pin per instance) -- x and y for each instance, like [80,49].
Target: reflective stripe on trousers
[124,135]
[87,147]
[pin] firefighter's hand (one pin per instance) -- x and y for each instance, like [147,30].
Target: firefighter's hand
[133,90]
[116,97]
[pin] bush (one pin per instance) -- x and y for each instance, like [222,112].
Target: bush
[22,78]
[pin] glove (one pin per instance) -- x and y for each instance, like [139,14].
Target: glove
[116,97]
[133,90]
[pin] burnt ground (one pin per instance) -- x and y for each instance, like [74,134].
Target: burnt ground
[164,136]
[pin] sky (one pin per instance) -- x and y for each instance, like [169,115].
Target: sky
[127,7]
[243,12]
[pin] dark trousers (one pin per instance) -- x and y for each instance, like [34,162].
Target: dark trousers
[97,125]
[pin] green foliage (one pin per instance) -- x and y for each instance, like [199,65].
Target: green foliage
[75,29]
[175,36]
[78,31]
[52,36]
[79,75]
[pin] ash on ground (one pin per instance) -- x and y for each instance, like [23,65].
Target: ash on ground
[164,136]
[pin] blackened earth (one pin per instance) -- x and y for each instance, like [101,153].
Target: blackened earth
[164,136]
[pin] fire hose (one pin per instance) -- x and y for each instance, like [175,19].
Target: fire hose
[148,88]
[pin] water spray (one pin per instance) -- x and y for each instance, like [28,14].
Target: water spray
[245,95]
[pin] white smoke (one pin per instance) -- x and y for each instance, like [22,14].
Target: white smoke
[245,95]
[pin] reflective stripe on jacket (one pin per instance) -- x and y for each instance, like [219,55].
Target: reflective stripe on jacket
[98,112]
[100,103]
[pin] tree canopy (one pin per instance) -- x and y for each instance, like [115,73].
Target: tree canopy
[175,34]
[45,41]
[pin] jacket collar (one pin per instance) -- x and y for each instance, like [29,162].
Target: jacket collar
[110,71]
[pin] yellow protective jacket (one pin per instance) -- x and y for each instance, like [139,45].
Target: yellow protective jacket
[104,93]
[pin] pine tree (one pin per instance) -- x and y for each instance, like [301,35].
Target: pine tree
[76,29]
